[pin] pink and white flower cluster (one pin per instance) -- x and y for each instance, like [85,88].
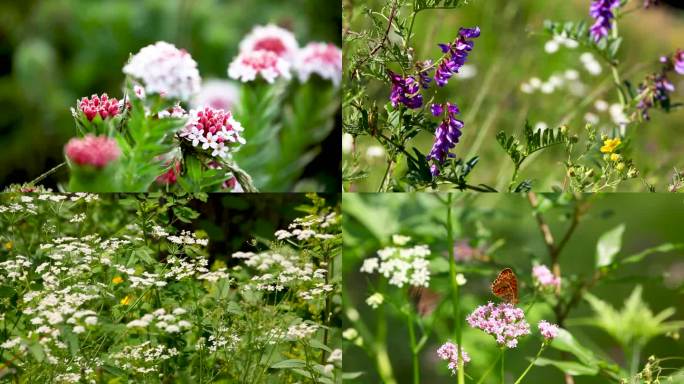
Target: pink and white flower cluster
[99,105]
[449,351]
[217,94]
[544,277]
[165,70]
[97,151]
[548,330]
[504,321]
[213,129]
[322,59]
[272,52]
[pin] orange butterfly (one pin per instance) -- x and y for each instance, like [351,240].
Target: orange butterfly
[505,286]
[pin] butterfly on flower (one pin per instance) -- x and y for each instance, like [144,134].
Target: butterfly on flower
[505,286]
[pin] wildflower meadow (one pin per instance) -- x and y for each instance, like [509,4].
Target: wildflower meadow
[167,126]
[578,96]
[513,288]
[169,289]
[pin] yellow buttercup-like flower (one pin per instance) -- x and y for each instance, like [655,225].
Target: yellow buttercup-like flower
[9,245]
[609,145]
[117,280]
[126,300]
[615,157]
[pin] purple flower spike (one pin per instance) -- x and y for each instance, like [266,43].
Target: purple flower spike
[424,68]
[405,90]
[457,54]
[602,12]
[654,91]
[446,135]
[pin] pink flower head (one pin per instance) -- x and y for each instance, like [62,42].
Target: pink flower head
[248,65]
[548,330]
[170,176]
[544,277]
[213,129]
[97,151]
[102,105]
[271,38]
[165,70]
[176,112]
[449,351]
[218,94]
[504,321]
[679,62]
[323,59]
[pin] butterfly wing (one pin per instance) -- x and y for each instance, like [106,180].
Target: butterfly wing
[425,300]
[505,286]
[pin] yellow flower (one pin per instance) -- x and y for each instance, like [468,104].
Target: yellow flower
[620,166]
[615,157]
[609,145]
[9,245]
[126,300]
[117,280]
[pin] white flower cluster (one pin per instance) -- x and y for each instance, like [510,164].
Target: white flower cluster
[168,322]
[187,238]
[559,40]
[165,70]
[591,64]
[15,269]
[281,271]
[222,340]
[143,358]
[402,265]
[305,228]
[566,80]
[301,330]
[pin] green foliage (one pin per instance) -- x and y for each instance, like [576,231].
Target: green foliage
[635,323]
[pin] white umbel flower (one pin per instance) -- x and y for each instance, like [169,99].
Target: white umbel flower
[165,70]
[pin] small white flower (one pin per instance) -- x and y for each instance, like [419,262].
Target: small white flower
[375,300]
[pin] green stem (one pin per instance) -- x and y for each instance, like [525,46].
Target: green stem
[502,365]
[48,173]
[514,177]
[490,369]
[455,289]
[634,363]
[414,349]
[531,364]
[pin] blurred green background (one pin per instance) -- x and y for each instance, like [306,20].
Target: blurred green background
[507,219]
[53,52]
[508,53]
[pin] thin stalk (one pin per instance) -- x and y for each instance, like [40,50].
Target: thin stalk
[531,364]
[455,289]
[490,369]
[634,363]
[414,349]
[502,365]
[47,173]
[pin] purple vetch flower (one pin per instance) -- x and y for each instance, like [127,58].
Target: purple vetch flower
[548,330]
[405,90]
[504,321]
[456,55]
[424,68]
[653,92]
[449,351]
[602,12]
[446,136]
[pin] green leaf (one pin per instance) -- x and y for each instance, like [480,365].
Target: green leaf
[351,375]
[567,343]
[570,367]
[609,245]
[289,364]
[662,248]
[317,344]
